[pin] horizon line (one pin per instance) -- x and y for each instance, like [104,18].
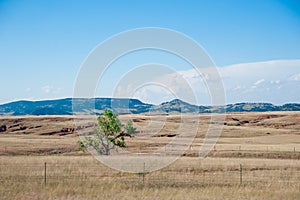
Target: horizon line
[62,98]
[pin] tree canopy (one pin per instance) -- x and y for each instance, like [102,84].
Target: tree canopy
[109,133]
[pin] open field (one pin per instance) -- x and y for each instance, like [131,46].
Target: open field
[81,177]
[256,157]
[267,135]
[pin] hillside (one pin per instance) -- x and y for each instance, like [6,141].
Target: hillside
[122,105]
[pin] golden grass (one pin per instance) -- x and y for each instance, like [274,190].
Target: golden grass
[81,177]
[267,145]
[13,144]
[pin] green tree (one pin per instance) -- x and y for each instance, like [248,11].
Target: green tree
[108,134]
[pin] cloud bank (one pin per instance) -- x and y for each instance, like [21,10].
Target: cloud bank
[276,81]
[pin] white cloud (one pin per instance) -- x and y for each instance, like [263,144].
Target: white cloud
[270,81]
[49,89]
[147,93]
[295,77]
[259,81]
[46,89]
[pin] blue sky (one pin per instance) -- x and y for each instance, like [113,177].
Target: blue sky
[43,43]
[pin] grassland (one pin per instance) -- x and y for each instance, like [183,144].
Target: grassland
[265,145]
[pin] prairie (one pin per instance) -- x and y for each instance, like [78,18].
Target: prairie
[257,156]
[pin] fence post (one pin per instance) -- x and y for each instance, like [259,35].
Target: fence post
[45,174]
[241,175]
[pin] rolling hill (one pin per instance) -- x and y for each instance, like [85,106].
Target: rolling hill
[69,106]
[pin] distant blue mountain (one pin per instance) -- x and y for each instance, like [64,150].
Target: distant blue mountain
[123,105]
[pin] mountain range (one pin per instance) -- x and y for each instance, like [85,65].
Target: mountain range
[69,106]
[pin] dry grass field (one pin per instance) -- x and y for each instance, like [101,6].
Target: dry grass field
[256,157]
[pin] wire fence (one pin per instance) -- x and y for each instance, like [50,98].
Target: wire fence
[52,173]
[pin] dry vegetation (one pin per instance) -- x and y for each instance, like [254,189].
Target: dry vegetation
[267,145]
